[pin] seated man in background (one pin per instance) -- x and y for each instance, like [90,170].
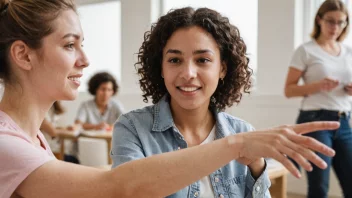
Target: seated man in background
[101,112]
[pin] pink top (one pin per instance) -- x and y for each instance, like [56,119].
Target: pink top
[18,156]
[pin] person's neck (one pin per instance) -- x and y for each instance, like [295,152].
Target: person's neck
[327,43]
[101,104]
[26,107]
[195,125]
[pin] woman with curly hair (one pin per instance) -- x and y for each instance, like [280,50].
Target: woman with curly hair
[101,112]
[193,65]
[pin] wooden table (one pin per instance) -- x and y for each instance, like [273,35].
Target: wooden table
[278,177]
[74,136]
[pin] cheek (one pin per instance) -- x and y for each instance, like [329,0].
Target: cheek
[99,93]
[169,76]
[110,93]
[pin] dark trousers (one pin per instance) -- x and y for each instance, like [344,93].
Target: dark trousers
[341,141]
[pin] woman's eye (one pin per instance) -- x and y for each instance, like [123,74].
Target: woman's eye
[70,46]
[174,60]
[203,60]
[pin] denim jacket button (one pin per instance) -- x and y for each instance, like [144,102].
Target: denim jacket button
[216,179]
[196,194]
[178,148]
[257,188]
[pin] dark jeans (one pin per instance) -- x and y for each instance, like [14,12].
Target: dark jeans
[341,141]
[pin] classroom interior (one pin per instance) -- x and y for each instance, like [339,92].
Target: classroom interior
[272,30]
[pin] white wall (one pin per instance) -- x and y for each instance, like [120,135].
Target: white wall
[101,24]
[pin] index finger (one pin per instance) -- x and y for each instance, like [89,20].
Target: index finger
[332,80]
[314,126]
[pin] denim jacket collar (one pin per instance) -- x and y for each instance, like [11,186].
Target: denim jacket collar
[162,115]
[163,119]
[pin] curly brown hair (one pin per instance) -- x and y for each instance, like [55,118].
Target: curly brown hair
[100,78]
[227,36]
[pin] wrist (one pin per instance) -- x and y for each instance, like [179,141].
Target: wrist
[235,142]
[257,167]
[315,87]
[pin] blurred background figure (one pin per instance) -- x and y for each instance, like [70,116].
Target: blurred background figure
[101,112]
[325,65]
[51,131]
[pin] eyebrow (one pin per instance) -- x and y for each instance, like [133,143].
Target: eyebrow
[173,51]
[201,51]
[76,36]
[332,18]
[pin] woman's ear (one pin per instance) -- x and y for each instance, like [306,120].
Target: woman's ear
[223,70]
[20,55]
[318,20]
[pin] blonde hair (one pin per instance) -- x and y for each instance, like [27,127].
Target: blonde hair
[328,6]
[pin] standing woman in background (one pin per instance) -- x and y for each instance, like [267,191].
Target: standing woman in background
[325,65]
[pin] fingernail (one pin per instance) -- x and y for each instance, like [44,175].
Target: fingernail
[332,152]
[310,168]
[298,174]
[324,164]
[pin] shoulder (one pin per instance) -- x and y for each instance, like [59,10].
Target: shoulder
[11,142]
[88,104]
[347,48]
[115,103]
[18,159]
[236,124]
[306,47]
[143,117]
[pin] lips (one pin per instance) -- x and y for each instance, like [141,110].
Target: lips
[189,89]
[75,78]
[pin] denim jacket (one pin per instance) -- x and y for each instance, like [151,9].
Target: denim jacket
[151,130]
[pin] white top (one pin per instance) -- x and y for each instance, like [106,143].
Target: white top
[318,64]
[206,189]
[88,112]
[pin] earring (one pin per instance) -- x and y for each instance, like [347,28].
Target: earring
[213,100]
[222,81]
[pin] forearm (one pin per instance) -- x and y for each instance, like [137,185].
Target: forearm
[164,174]
[295,90]
[87,126]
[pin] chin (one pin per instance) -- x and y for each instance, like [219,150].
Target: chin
[70,96]
[190,106]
